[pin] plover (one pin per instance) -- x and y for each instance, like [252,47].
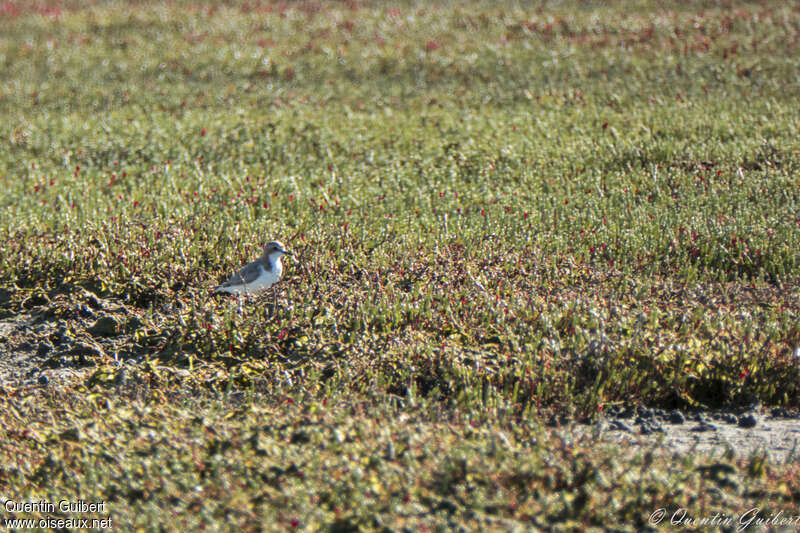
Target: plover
[258,275]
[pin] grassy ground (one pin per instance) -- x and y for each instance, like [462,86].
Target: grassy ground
[501,213]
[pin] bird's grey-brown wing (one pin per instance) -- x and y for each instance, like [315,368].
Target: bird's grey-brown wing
[247,274]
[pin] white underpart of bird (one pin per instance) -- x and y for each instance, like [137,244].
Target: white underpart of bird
[258,275]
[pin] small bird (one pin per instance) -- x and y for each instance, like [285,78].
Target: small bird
[258,275]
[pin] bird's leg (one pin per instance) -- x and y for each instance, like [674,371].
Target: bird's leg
[269,309]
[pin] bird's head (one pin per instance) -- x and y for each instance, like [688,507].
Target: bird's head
[276,249]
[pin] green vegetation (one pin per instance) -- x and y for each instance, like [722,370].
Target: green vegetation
[501,212]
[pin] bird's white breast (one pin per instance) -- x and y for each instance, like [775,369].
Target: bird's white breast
[265,279]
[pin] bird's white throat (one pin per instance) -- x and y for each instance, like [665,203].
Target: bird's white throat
[276,267]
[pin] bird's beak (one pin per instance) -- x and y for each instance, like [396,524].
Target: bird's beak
[287,252]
